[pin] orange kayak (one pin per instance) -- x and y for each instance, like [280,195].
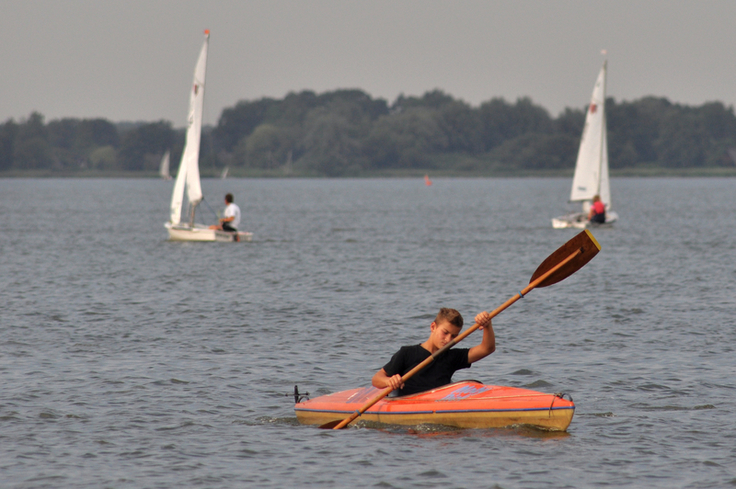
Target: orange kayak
[466,404]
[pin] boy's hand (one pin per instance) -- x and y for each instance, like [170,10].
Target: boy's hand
[483,319]
[395,382]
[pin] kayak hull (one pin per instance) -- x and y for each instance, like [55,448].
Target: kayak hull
[466,404]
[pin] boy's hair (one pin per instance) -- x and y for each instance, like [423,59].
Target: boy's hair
[229,198]
[451,316]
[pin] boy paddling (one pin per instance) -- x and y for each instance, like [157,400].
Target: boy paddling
[444,328]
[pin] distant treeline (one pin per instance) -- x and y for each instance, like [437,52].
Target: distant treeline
[347,132]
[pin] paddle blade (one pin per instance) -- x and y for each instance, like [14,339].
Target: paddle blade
[588,246]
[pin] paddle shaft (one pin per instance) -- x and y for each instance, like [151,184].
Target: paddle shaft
[457,340]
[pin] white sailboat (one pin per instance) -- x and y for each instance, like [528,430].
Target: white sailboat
[188,176]
[164,167]
[223,175]
[591,169]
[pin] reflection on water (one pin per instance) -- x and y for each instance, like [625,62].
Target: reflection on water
[450,433]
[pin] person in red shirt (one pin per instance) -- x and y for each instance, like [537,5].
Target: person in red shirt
[597,212]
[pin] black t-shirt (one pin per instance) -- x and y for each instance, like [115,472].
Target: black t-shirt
[437,373]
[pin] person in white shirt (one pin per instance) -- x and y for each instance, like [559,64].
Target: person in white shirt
[231,218]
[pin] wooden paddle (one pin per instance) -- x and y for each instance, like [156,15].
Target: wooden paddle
[566,260]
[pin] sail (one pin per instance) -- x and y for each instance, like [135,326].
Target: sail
[189,165]
[177,196]
[194,127]
[591,168]
[164,168]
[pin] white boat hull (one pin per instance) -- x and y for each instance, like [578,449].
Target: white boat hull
[579,220]
[203,233]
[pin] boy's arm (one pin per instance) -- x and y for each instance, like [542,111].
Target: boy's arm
[488,344]
[381,380]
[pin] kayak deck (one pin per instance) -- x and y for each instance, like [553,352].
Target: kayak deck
[465,404]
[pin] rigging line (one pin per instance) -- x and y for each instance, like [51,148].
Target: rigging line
[207,131]
[212,157]
[210,208]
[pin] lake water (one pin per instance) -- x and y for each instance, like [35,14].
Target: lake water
[129,361]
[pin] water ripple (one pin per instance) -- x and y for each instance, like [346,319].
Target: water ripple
[131,361]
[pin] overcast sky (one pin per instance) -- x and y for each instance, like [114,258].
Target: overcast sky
[133,60]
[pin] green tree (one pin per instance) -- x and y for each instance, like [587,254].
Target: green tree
[354,104]
[264,148]
[93,133]
[32,149]
[293,109]
[434,99]
[570,123]
[33,153]
[332,143]
[501,121]
[406,139]
[142,147]
[73,140]
[682,141]
[720,124]
[8,134]
[61,133]
[718,121]
[461,126]
[633,127]
[240,121]
[103,158]
[533,151]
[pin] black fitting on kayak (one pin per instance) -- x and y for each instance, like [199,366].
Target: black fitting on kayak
[562,395]
[299,397]
[558,395]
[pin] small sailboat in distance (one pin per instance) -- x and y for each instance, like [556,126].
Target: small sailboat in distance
[591,168]
[164,167]
[427,181]
[223,175]
[188,176]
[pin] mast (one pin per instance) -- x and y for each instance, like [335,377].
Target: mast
[604,185]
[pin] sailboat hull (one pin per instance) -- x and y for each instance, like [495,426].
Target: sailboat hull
[579,220]
[205,234]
